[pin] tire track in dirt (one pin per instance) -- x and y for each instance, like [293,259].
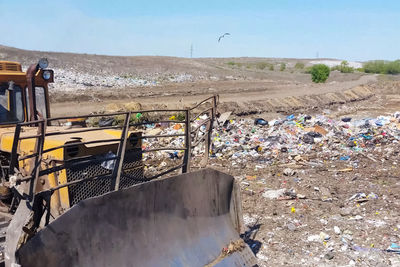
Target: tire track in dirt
[292,104]
[240,97]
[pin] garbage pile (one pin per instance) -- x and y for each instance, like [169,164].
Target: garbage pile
[297,138]
[304,139]
[73,79]
[165,159]
[317,191]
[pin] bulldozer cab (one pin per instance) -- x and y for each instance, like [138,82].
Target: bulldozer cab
[24,95]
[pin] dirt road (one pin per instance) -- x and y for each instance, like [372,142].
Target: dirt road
[242,93]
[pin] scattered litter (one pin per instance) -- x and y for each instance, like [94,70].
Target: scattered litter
[344,158]
[274,194]
[329,256]
[313,238]
[372,196]
[324,236]
[323,221]
[337,230]
[359,197]
[291,227]
[260,121]
[395,248]
[289,172]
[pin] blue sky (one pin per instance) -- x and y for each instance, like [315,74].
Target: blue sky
[345,29]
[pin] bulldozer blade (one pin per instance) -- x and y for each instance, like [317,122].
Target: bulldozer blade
[184,220]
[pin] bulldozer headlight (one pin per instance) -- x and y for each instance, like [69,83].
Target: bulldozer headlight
[43,63]
[46,75]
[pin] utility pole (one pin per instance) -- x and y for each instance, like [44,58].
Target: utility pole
[191,50]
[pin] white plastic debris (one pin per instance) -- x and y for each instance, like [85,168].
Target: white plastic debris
[274,194]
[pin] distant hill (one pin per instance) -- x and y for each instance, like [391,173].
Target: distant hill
[143,64]
[79,71]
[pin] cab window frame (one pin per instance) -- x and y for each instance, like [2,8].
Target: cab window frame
[18,89]
[44,105]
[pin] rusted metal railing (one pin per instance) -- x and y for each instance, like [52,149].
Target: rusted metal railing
[195,131]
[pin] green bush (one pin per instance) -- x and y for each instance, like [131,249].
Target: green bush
[344,67]
[375,66]
[347,70]
[299,66]
[360,69]
[231,63]
[261,65]
[320,73]
[283,67]
[271,67]
[393,67]
[382,67]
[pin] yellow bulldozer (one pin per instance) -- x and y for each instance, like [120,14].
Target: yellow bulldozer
[110,189]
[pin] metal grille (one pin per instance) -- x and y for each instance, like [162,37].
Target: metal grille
[7,66]
[132,177]
[132,169]
[11,67]
[132,173]
[88,189]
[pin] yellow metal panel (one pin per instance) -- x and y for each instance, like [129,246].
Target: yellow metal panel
[63,192]
[55,198]
[115,133]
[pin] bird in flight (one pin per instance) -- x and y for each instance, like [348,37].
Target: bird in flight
[222,36]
